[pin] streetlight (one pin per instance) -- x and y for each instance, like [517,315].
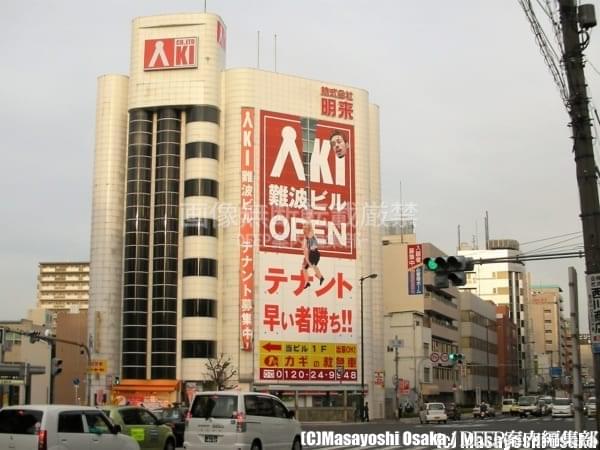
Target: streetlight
[362,347]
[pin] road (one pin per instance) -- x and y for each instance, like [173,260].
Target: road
[499,424]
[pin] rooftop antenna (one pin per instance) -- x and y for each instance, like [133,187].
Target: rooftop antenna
[476,236]
[458,247]
[275,51]
[487,229]
[204,5]
[401,214]
[258,49]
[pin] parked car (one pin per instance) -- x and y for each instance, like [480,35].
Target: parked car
[60,427]
[491,412]
[234,419]
[175,418]
[452,411]
[143,426]
[590,407]
[528,406]
[544,408]
[509,406]
[433,412]
[561,407]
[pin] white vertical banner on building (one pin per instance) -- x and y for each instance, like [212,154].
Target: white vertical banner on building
[593,288]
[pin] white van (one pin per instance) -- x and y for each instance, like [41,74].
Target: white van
[241,421]
[60,427]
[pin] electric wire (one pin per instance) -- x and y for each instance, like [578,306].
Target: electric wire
[549,238]
[549,246]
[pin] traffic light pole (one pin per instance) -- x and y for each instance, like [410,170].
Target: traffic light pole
[583,151]
[52,359]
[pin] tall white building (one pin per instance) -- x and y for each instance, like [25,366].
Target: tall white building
[505,283]
[209,184]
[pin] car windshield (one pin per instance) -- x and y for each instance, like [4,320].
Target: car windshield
[508,402]
[20,421]
[562,401]
[217,406]
[171,414]
[526,401]
[436,406]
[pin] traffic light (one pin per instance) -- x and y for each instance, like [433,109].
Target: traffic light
[456,358]
[449,269]
[56,366]
[34,336]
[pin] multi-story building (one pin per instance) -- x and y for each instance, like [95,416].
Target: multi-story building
[504,283]
[508,358]
[407,336]
[548,333]
[407,288]
[63,286]
[231,179]
[479,346]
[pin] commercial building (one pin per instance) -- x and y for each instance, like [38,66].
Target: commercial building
[63,286]
[549,334]
[227,176]
[508,357]
[479,346]
[409,293]
[505,283]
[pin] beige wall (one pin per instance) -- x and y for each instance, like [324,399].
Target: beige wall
[71,327]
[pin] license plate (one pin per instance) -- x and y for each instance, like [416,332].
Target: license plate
[210,438]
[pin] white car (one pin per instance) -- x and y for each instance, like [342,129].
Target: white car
[60,427]
[240,420]
[561,407]
[433,412]
[590,407]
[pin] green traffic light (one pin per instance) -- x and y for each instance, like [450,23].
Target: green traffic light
[432,265]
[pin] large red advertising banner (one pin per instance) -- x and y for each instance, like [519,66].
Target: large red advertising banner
[307,313]
[247,230]
[307,174]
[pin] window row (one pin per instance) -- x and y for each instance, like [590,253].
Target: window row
[200,227]
[163,373]
[138,186]
[203,113]
[140,125]
[171,136]
[167,173]
[201,150]
[199,267]
[198,349]
[199,307]
[164,359]
[201,186]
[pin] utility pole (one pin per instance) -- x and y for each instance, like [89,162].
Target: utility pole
[584,155]
[577,388]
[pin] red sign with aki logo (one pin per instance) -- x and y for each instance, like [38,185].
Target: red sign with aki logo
[170,53]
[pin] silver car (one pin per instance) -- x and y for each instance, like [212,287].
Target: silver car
[240,420]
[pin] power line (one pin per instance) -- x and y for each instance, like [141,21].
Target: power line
[551,237]
[550,245]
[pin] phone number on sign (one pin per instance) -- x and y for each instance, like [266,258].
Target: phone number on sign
[307,374]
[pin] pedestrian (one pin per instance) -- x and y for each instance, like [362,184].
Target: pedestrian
[366,412]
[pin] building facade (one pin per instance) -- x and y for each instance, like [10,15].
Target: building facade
[479,345]
[508,357]
[407,288]
[505,283]
[63,286]
[239,237]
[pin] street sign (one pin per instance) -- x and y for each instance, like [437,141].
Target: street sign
[379,378]
[593,288]
[97,366]
[75,381]
[555,372]
[444,357]
[396,343]
[434,357]
[403,387]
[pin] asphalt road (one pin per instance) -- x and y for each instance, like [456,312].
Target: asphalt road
[462,429]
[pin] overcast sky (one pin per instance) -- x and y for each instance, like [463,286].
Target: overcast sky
[471,120]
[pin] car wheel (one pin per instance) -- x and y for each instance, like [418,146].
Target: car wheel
[256,446]
[296,445]
[169,445]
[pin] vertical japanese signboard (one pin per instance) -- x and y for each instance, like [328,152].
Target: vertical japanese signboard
[247,230]
[308,310]
[593,288]
[415,268]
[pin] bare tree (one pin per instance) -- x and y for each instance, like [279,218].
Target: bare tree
[221,372]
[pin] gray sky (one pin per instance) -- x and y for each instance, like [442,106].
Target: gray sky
[470,117]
